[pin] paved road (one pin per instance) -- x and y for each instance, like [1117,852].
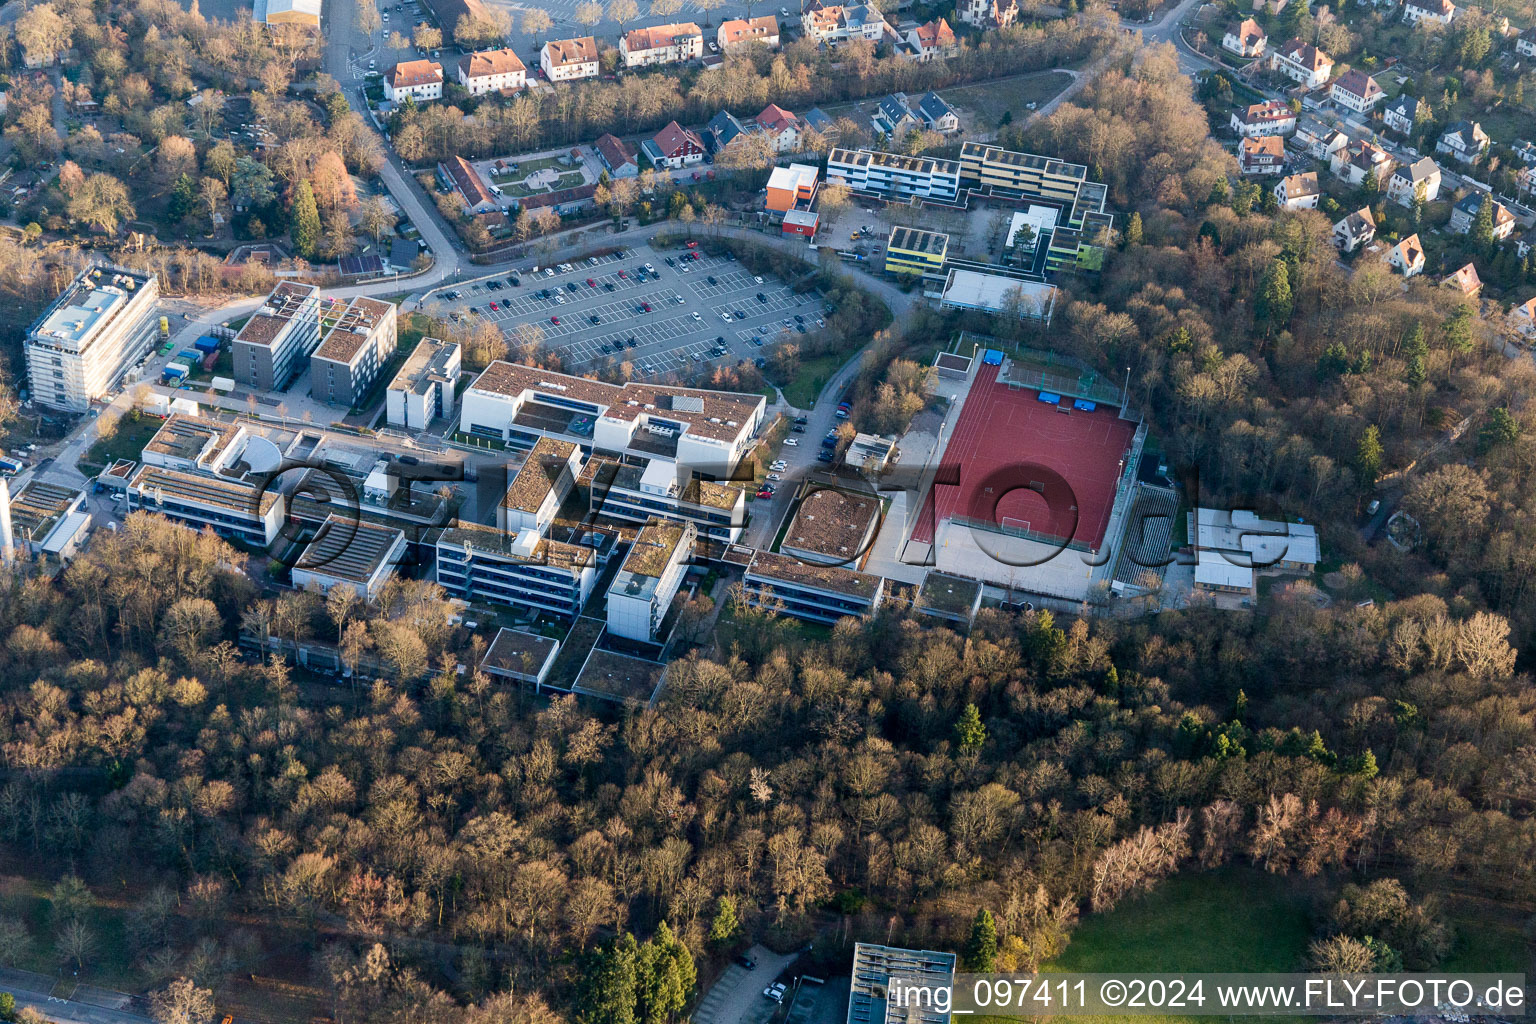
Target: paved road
[33,990]
[737,997]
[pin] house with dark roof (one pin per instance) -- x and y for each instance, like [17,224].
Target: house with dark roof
[1361,159]
[1464,216]
[1400,114]
[1418,180]
[673,147]
[937,114]
[1465,141]
[1298,191]
[893,116]
[722,130]
[1358,229]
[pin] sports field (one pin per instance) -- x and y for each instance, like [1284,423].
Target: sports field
[1037,469]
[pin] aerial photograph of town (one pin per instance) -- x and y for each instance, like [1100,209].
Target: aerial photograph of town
[706,512]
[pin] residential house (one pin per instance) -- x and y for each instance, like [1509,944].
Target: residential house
[1522,318]
[616,155]
[1357,91]
[937,114]
[461,174]
[1418,180]
[1434,12]
[987,14]
[1272,118]
[781,128]
[1407,256]
[935,39]
[822,121]
[662,44]
[1464,140]
[893,116]
[1263,155]
[1464,216]
[673,147]
[1464,280]
[1361,160]
[722,130]
[1244,38]
[1525,150]
[419,79]
[1402,112]
[738,33]
[486,71]
[1358,229]
[1302,62]
[1525,43]
[1318,139]
[1526,182]
[837,24]
[569,60]
[1298,191]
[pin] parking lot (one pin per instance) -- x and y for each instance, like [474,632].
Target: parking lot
[671,319]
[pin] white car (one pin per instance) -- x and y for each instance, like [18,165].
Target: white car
[791,442]
[758,280]
[775,992]
[697,316]
[650,269]
[778,465]
[774,476]
[679,300]
[726,317]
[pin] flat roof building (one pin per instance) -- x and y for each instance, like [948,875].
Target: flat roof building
[914,251]
[874,172]
[521,570]
[426,386]
[992,293]
[287,12]
[649,579]
[86,340]
[1233,547]
[946,596]
[275,341]
[520,657]
[47,518]
[876,967]
[540,485]
[816,593]
[832,527]
[350,553]
[195,444]
[360,341]
[231,508]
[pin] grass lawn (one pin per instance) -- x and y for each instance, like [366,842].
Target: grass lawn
[1489,937]
[989,102]
[27,900]
[133,432]
[810,378]
[574,179]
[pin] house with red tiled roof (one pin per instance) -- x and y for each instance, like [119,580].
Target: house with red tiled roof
[781,128]
[1262,155]
[1465,281]
[662,44]
[461,174]
[1355,90]
[935,39]
[1274,117]
[1302,62]
[1407,256]
[674,146]
[419,79]
[736,33]
[1523,318]
[567,60]
[487,71]
[616,155]
[1244,38]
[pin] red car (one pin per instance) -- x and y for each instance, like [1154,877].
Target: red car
[646,306]
[554,320]
[591,283]
[493,307]
[623,273]
[765,494]
[693,245]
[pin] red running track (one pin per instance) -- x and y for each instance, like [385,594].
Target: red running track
[1016,460]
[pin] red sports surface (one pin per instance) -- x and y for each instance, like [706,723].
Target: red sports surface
[1025,464]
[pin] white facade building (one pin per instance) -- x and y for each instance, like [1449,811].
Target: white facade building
[891,174]
[569,60]
[84,343]
[426,386]
[649,579]
[487,71]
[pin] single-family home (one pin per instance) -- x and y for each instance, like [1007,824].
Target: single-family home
[1358,229]
[934,39]
[1407,256]
[1262,155]
[487,71]
[1401,113]
[673,147]
[1525,150]
[781,128]
[987,14]
[1464,280]
[1464,216]
[1526,180]
[1298,191]
[1465,141]
[738,33]
[662,44]
[1419,180]
[936,114]
[722,130]
[1522,319]
[1361,160]
[1357,91]
[569,60]
[894,116]
[1274,117]
[1302,62]
[1318,139]
[616,155]
[1433,12]
[1525,43]
[419,79]
[1244,38]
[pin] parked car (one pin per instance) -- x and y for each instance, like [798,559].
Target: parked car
[792,442]
[775,991]
[554,320]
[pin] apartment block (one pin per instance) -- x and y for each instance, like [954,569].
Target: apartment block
[661,44]
[356,347]
[914,251]
[426,386]
[487,71]
[275,342]
[231,508]
[1082,219]
[649,579]
[816,593]
[894,175]
[83,344]
[567,60]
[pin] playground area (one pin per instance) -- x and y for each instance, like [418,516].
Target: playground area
[540,173]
